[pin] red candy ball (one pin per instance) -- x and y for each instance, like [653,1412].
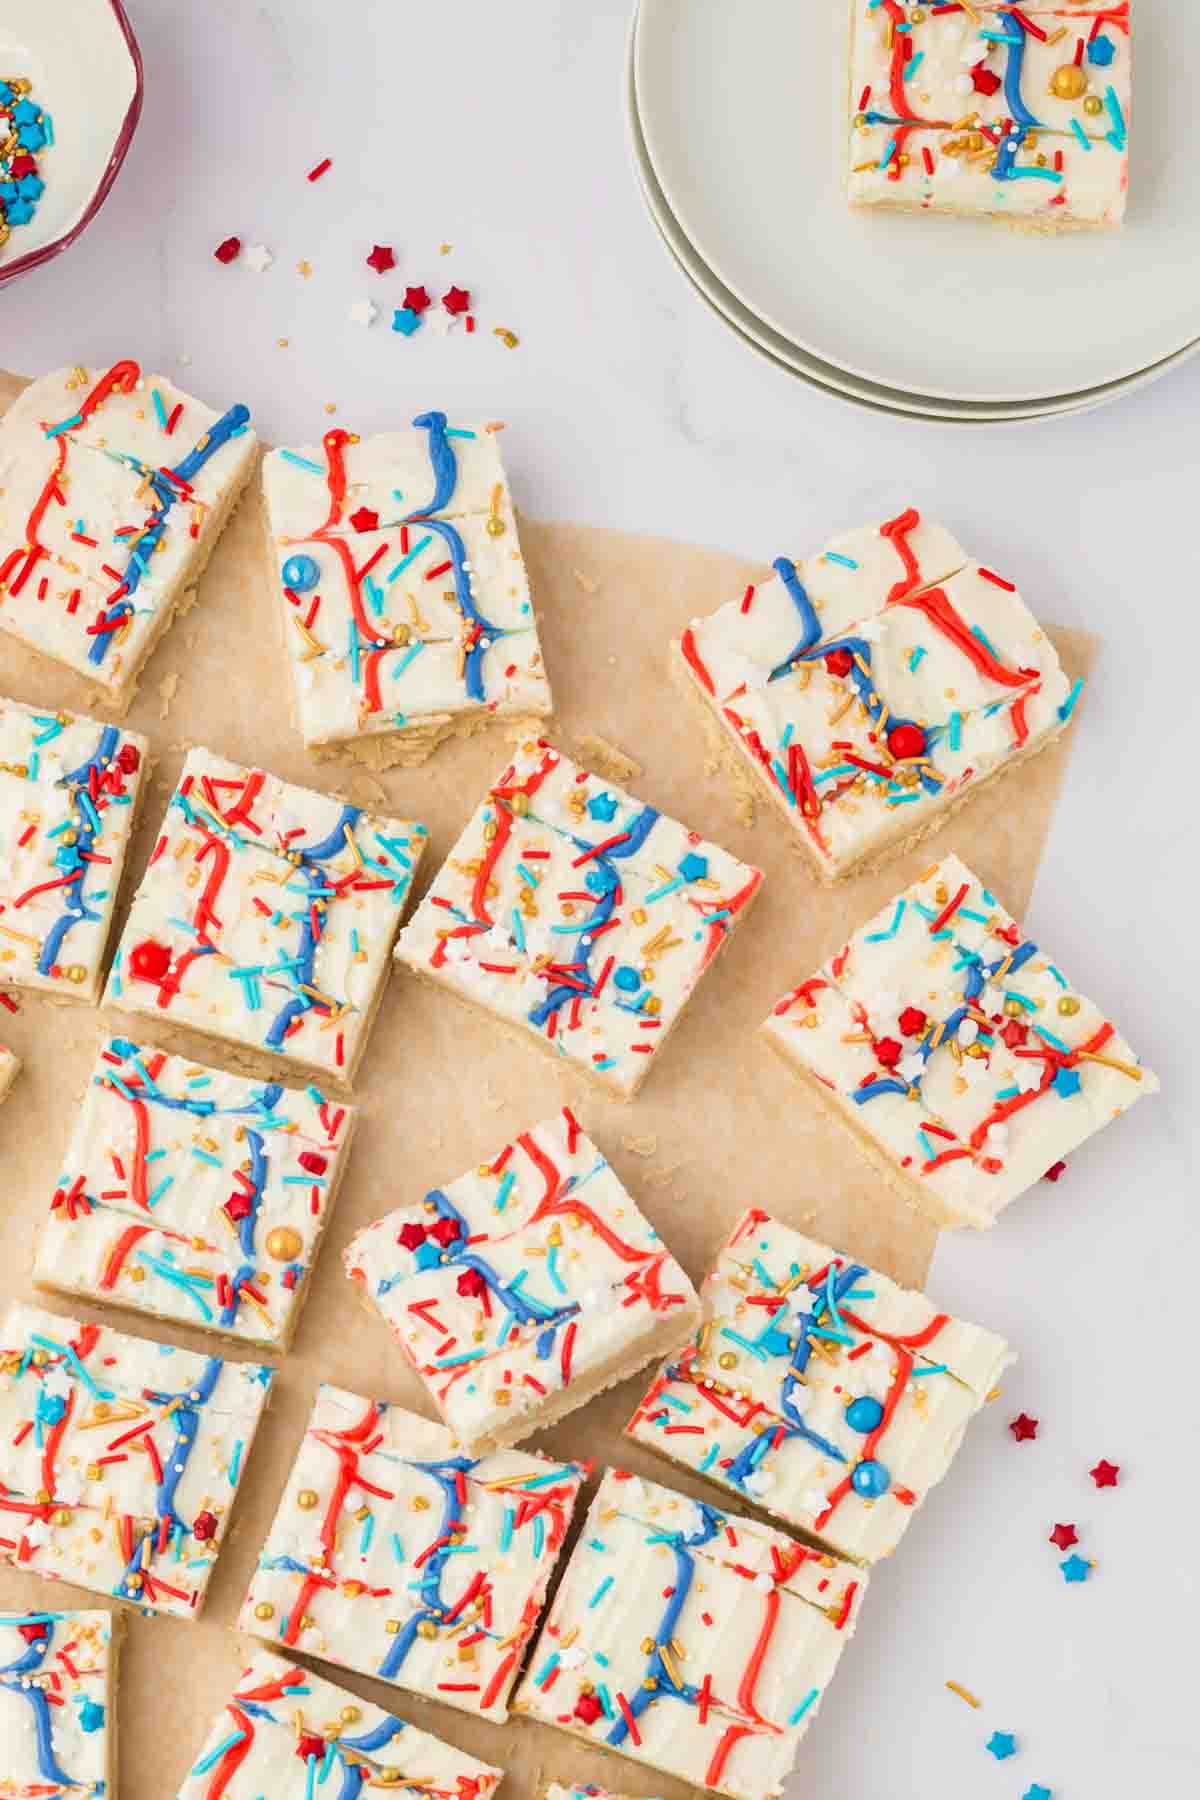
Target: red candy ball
[149,961]
[905,741]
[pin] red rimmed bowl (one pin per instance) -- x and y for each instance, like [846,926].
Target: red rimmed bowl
[84,68]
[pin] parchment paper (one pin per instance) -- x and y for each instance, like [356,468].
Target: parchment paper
[720,1124]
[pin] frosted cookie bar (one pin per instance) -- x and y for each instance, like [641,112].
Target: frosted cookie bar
[120,1458]
[194,1195]
[113,493]
[265,919]
[1019,113]
[818,1390]
[573,911]
[69,791]
[395,1555]
[872,688]
[959,1056]
[525,1287]
[286,1732]
[406,608]
[691,1641]
[58,1704]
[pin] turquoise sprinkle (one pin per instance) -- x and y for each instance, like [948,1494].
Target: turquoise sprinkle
[662,892]
[301,462]
[1115,112]
[710,1458]
[911,68]
[368,1532]
[786,739]
[454,431]
[932,1369]
[955,730]
[506,1528]
[1029,1005]
[888,154]
[847,562]
[160,410]
[208,1157]
[605,1698]
[187,1284]
[803,1707]
[1081,134]
[675,1403]
[600,1592]
[527,876]
[405,560]
[454,1362]
[878,937]
[214,1756]
[414,650]
[504,1190]
[539,1536]
[552,1270]
[154,1198]
[976,632]
[235,1463]
[69,1357]
[780,774]
[547,1669]
[763,1276]
[398,1548]
[1068,705]
[1040,1031]
[746,1343]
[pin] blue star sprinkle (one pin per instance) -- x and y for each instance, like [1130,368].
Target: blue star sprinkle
[1036,1792]
[404,319]
[1002,1744]
[603,807]
[1075,1568]
[693,867]
[1066,1082]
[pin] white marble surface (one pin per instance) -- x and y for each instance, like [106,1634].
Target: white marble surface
[499,128]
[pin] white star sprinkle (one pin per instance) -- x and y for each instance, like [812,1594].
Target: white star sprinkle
[363,312]
[258,258]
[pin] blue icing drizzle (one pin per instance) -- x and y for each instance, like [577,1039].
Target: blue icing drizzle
[310,860]
[433,1607]
[15,1678]
[73,858]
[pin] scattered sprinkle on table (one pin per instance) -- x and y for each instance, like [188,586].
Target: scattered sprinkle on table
[1076,1568]
[1002,1745]
[316,173]
[363,312]
[258,258]
[228,249]
[1063,1536]
[1023,1428]
[964,1694]
[381,259]
[1105,1473]
[456,300]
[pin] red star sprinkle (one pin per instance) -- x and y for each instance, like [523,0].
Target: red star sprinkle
[364,519]
[1063,1536]
[204,1527]
[381,259]
[309,1744]
[228,249]
[444,1232]
[33,1634]
[912,1020]
[237,1207]
[471,1284]
[1014,1034]
[985,81]
[1054,1171]
[1105,1473]
[1023,1427]
[128,758]
[588,1708]
[416,299]
[410,1236]
[888,1052]
[456,300]
[839,662]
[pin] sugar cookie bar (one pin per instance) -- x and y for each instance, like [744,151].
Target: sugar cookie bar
[573,911]
[406,609]
[395,1555]
[194,1195]
[113,493]
[1018,113]
[959,1056]
[819,1390]
[58,1704]
[285,1732]
[872,688]
[120,1458]
[265,919]
[525,1287]
[69,792]
[694,1642]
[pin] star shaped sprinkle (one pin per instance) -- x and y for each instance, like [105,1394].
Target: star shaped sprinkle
[693,867]
[363,312]
[1066,1083]
[227,249]
[381,259]
[416,299]
[1063,1536]
[603,807]
[1023,1427]
[1037,1793]
[1105,1473]
[1002,1744]
[405,320]
[258,258]
[456,300]
[1075,1568]
[364,519]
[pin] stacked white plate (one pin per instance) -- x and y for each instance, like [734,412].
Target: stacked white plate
[737,120]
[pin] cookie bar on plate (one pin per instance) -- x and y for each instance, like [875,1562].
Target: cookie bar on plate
[69,791]
[285,1731]
[818,1390]
[959,1056]
[113,493]
[395,1555]
[874,687]
[120,1458]
[58,1704]
[1018,113]
[694,1642]
[525,1287]
[194,1195]
[265,920]
[573,911]
[406,609]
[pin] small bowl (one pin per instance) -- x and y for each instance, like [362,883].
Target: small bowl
[85,70]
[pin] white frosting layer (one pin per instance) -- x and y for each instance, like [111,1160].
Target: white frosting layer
[68,792]
[528,1277]
[400,620]
[193,1195]
[293,1731]
[907,623]
[1047,90]
[266,916]
[1026,1072]
[777,1302]
[571,909]
[697,1643]
[85,535]
[57,1703]
[394,1555]
[118,1452]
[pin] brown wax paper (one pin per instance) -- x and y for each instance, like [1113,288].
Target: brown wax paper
[720,1124]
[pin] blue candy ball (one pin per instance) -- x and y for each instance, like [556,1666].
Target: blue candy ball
[301,573]
[627,979]
[870,1480]
[864,1414]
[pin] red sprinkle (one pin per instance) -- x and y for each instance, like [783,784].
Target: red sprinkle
[1063,1536]
[1105,1473]
[381,259]
[1023,1427]
[228,249]
[315,174]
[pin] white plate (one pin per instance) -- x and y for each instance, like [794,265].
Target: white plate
[824,376]
[742,111]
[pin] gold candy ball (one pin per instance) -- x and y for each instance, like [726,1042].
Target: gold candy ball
[495,526]
[306,1499]
[264,1611]
[1068,1006]
[1069,82]
[284,1243]
[727,1359]
[1093,105]
[401,633]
